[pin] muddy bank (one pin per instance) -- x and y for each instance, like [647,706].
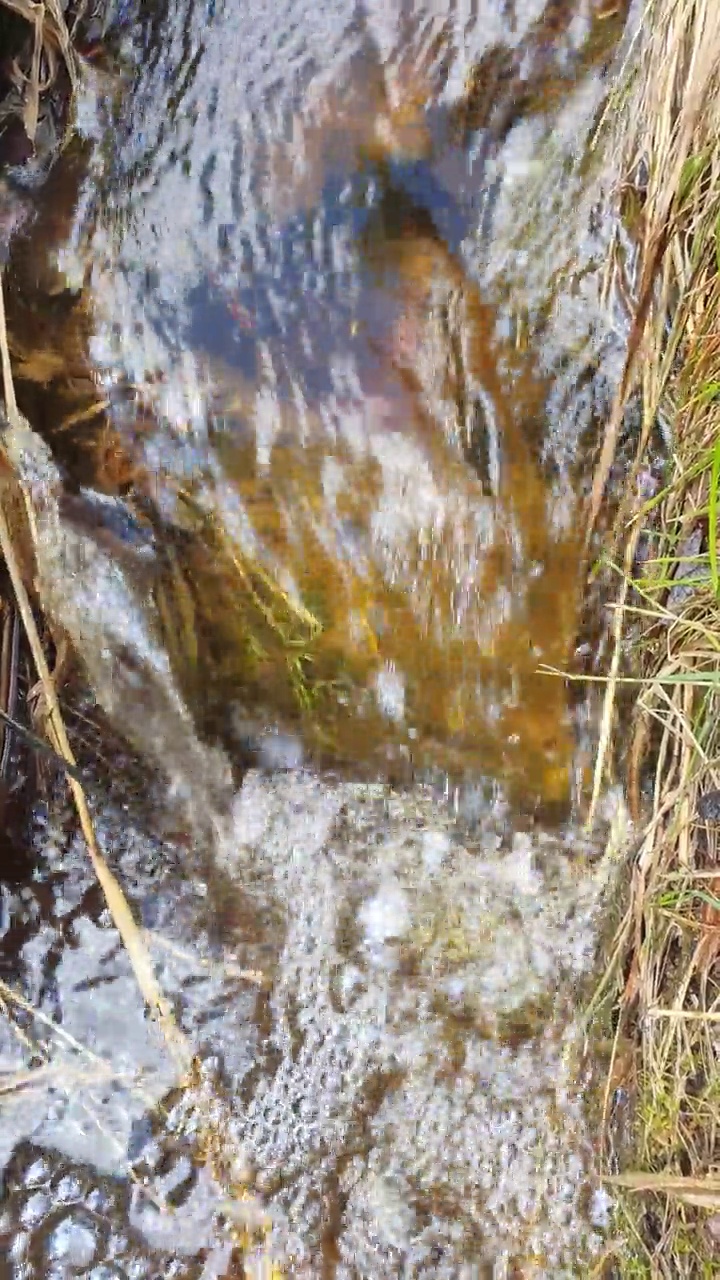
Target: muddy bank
[307,424]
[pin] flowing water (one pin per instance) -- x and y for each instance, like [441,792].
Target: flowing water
[307,325]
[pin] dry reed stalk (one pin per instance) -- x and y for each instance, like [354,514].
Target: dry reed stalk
[50,40]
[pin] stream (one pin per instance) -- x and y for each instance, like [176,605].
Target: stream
[311,347]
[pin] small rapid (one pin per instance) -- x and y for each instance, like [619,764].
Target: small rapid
[306,507]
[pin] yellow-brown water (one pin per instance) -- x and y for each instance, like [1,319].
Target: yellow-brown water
[429,564]
[340,358]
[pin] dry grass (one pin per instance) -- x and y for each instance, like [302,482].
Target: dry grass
[665,962]
[49,47]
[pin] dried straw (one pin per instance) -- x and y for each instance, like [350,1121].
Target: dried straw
[665,964]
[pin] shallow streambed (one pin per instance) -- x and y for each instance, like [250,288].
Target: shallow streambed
[342,280]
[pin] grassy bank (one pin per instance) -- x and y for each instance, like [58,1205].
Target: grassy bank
[665,968]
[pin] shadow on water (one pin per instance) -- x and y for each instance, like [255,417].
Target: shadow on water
[308,330]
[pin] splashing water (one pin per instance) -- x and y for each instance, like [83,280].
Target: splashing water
[367,352]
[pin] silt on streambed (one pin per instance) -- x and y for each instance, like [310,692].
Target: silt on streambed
[309,490]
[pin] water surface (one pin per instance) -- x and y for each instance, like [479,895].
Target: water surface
[339,361]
